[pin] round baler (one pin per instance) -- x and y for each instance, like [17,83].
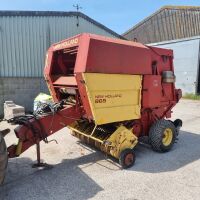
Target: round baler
[111,93]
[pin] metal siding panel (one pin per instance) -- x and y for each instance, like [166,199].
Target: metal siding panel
[177,24]
[86,26]
[8,47]
[193,20]
[163,26]
[5,45]
[198,24]
[182,24]
[2,68]
[28,46]
[20,49]
[39,52]
[12,49]
[35,40]
[43,44]
[25,39]
[158,27]
[37,46]
[167,25]
[188,23]
[172,24]
[185,63]
[197,14]
[31,53]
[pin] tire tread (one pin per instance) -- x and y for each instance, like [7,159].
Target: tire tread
[156,135]
[3,159]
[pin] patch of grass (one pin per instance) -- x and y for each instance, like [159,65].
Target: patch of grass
[191,96]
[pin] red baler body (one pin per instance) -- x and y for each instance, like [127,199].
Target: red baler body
[68,60]
[88,53]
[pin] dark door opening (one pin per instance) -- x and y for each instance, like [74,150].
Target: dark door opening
[198,83]
[198,75]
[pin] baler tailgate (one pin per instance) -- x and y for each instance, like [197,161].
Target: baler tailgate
[113,97]
[110,92]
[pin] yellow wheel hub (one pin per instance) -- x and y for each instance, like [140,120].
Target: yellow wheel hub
[167,137]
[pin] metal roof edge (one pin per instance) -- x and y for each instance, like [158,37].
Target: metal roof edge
[167,7]
[181,7]
[173,41]
[58,13]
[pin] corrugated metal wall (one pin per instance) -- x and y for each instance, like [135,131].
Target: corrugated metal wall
[25,39]
[186,62]
[167,24]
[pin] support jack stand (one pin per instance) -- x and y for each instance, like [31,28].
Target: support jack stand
[39,164]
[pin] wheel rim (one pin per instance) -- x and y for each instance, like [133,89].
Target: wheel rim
[129,159]
[167,137]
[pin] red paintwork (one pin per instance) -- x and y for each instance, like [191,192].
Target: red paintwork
[46,126]
[99,54]
[68,59]
[70,81]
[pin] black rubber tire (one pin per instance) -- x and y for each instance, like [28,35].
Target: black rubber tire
[125,161]
[178,123]
[156,135]
[3,159]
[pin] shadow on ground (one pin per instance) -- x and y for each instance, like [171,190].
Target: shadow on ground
[187,150]
[67,179]
[64,179]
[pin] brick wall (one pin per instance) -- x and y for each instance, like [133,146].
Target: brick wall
[21,90]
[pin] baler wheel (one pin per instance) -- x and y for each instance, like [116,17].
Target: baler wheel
[162,135]
[3,158]
[127,158]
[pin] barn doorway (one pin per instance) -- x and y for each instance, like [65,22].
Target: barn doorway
[198,75]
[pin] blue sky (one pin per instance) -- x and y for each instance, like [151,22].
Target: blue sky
[118,15]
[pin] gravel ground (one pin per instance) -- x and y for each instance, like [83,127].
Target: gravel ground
[80,172]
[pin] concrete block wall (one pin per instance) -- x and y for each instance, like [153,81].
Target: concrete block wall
[21,90]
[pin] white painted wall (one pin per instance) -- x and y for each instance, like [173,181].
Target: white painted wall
[186,62]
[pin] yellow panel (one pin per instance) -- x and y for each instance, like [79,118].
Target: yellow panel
[113,97]
[120,140]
